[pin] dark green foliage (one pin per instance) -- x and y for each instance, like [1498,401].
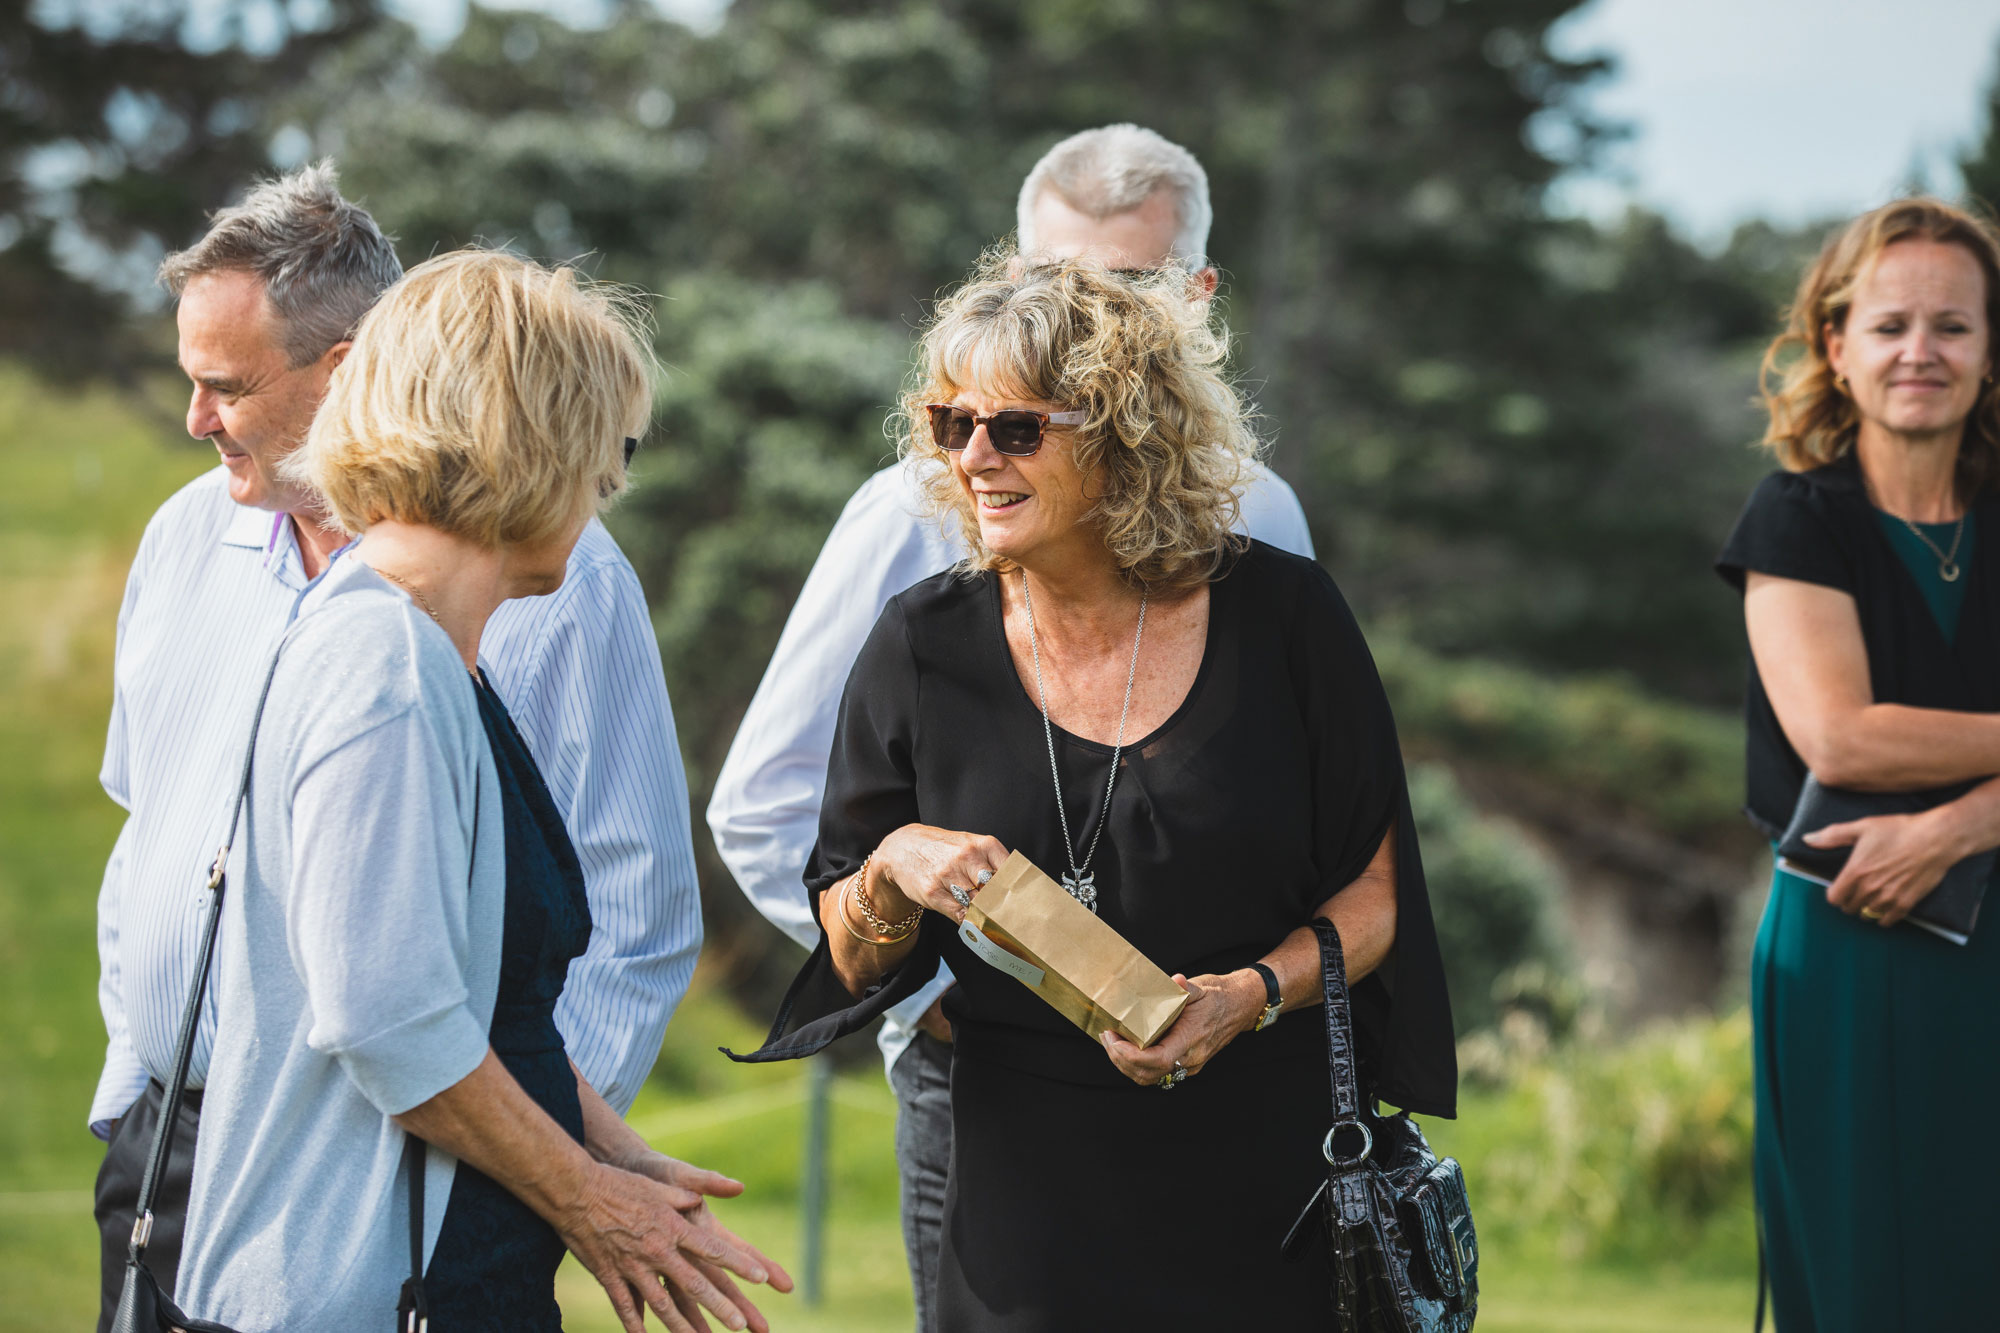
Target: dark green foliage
[1519,438]
[1665,765]
[770,417]
[120,126]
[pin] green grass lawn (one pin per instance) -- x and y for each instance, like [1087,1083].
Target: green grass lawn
[83,472]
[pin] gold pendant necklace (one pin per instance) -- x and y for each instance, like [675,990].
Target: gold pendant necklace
[418,597]
[1948,569]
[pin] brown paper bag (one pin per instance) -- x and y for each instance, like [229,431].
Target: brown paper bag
[1025,924]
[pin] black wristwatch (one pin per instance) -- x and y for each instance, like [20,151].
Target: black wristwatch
[1274,999]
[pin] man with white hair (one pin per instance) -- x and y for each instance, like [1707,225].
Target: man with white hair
[269,299]
[1129,199]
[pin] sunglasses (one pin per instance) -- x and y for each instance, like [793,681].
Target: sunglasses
[1015,432]
[606,488]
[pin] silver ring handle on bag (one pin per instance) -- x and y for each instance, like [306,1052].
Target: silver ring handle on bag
[1367,1145]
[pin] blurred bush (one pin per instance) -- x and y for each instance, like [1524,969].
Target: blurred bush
[1677,767]
[1621,1153]
[1495,896]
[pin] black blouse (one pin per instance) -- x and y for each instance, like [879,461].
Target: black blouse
[1819,527]
[1268,790]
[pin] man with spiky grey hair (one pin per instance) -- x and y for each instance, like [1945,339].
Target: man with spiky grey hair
[268,301]
[1114,193]
[1129,199]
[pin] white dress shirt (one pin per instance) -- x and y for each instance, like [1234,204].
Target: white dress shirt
[211,589]
[765,811]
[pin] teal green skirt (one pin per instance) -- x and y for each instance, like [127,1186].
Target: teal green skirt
[1877,1082]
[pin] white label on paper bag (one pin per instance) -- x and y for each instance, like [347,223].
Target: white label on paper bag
[1020,969]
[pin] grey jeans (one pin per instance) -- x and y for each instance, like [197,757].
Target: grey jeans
[921,1077]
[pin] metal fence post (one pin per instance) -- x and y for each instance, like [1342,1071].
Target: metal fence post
[812,1194]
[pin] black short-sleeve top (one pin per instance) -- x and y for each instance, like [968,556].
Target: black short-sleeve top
[1819,527]
[1265,792]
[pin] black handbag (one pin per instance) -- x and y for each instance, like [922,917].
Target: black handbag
[142,1306]
[1395,1215]
[1950,911]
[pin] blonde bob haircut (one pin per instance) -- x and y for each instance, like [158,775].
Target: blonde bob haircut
[1813,420]
[485,396]
[1166,438]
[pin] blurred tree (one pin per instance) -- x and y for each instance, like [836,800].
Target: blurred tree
[1516,435]
[121,124]
[1981,164]
[1504,437]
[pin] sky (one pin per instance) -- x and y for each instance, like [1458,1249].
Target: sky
[1790,110]
[1785,109]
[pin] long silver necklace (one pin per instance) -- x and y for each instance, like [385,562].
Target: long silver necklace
[1079,881]
[1947,560]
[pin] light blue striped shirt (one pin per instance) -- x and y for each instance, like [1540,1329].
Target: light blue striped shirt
[211,589]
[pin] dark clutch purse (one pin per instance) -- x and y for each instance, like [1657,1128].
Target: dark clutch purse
[1951,910]
[142,1306]
[1405,1256]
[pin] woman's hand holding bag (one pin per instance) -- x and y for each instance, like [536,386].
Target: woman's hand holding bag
[1216,1015]
[923,864]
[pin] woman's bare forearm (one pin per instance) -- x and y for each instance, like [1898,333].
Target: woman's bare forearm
[488,1120]
[1971,824]
[606,1136]
[858,963]
[1894,747]
[1364,912]
[1813,662]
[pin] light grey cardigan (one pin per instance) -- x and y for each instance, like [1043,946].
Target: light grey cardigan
[356,969]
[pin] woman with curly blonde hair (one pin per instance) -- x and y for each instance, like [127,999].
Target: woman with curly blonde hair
[1870,574]
[1187,727]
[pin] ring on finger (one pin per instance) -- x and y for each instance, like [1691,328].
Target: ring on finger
[1871,913]
[982,878]
[964,898]
[1175,1077]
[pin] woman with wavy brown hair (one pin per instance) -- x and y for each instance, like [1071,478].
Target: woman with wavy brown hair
[1870,574]
[1187,727]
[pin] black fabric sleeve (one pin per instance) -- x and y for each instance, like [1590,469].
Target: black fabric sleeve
[1787,530]
[870,793]
[1402,1012]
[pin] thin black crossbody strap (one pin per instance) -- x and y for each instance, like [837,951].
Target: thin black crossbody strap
[413,1308]
[1340,1055]
[176,1087]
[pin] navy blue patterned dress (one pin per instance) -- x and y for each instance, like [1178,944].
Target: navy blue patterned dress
[494,1267]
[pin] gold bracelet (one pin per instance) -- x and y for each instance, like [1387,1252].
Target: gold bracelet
[892,931]
[887,938]
[840,907]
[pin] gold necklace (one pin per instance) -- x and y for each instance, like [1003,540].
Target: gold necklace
[1947,560]
[418,597]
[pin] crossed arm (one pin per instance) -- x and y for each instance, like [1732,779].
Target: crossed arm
[1813,661]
